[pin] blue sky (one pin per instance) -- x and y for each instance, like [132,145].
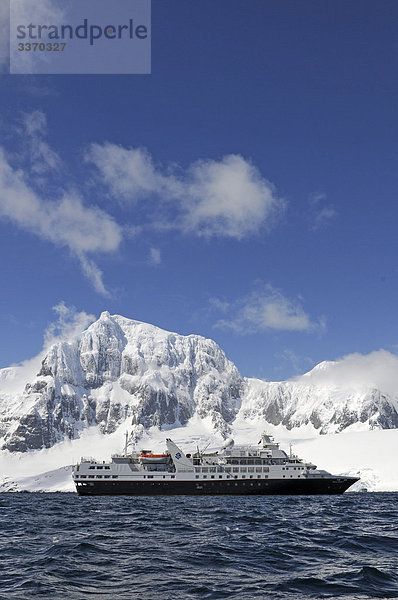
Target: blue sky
[245,190]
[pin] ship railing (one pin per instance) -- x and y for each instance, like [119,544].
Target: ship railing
[88,459]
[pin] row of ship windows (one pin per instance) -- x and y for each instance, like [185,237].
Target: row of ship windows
[115,476]
[294,468]
[101,467]
[249,461]
[97,476]
[169,476]
[222,476]
[234,469]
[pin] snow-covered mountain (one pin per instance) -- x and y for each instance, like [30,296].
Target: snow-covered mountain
[119,370]
[330,408]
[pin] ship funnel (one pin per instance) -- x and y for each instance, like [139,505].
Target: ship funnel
[181,462]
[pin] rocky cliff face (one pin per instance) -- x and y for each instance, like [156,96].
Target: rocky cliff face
[121,369]
[328,409]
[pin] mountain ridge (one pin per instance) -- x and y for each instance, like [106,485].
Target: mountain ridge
[119,369]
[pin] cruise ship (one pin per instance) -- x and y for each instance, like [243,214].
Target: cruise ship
[232,470]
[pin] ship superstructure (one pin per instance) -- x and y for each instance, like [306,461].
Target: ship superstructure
[232,470]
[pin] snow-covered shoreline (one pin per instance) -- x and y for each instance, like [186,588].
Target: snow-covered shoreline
[369,454]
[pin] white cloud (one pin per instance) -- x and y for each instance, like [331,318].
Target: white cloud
[130,174]
[226,197]
[378,369]
[296,361]
[321,214]
[66,222]
[26,11]
[68,324]
[93,274]
[267,308]
[155,257]
[220,305]
[43,158]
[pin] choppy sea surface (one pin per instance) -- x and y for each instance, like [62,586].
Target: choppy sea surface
[63,546]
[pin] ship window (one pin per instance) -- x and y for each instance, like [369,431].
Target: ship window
[205,470]
[212,476]
[257,462]
[83,476]
[251,476]
[266,469]
[234,462]
[227,469]
[243,469]
[100,467]
[99,476]
[243,462]
[235,469]
[107,468]
[266,476]
[251,469]
[258,476]
[91,476]
[115,476]
[106,476]
[243,476]
[197,476]
[220,477]
[283,476]
[91,467]
[150,476]
[212,469]
[258,469]
[173,476]
[204,476]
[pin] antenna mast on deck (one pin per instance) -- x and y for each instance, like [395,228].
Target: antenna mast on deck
[125,445]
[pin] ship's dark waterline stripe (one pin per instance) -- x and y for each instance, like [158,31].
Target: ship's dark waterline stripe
[336,485]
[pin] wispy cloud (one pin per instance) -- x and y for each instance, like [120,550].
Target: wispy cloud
[378,369]
[68,324]
[268,309]
[43,158]
[25,11]
[155,257]
[224,198]
[65,221]
[296,361]
[321,213]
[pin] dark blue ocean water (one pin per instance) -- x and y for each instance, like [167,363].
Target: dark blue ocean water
[63,546]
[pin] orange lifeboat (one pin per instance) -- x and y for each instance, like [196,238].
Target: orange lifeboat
[149,458]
